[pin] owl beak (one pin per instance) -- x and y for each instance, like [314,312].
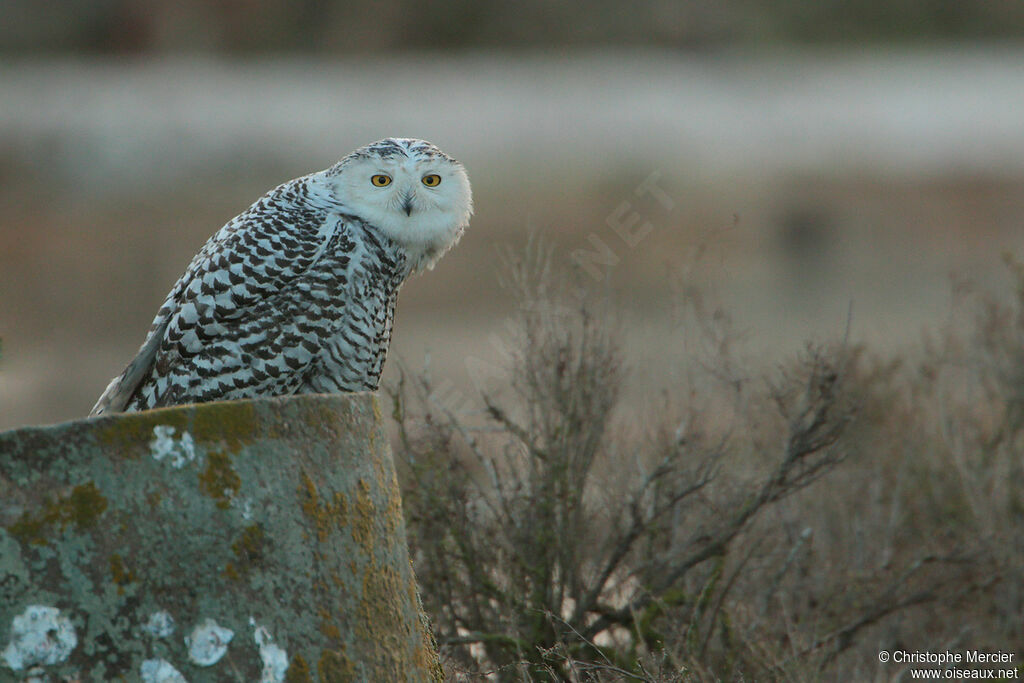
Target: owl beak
[407,203]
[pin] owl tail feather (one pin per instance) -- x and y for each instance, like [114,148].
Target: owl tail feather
[120,390]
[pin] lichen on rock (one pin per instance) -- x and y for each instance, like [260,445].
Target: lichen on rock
[41,635]
[280,515]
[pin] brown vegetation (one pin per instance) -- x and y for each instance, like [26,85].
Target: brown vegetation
[782,525]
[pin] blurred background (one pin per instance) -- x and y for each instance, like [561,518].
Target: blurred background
[801,159]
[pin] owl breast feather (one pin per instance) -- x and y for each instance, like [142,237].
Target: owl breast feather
[292,296]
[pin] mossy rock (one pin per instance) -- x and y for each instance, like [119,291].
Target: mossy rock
[236,541]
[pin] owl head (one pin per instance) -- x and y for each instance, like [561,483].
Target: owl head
[411,191]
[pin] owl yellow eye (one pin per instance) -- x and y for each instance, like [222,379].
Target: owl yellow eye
[381,180]
[432,180]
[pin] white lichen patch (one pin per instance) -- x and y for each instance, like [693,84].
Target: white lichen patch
[274,658]
[36,675]
[160,624]
[160,671]
[208,642]
[178,452]
[39,635]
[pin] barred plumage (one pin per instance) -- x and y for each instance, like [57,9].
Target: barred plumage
[297,294]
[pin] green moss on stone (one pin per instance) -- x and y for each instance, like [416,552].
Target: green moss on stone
[249,546]
[249,552]
[330,629]
[375,401]
[81,508]
[324,419]
[328,626]
[393,514]
[219,481]
[335,667]
[362,525]
[375,428]
[298,671]
[120,572]
[325,514]
[85,505]
[383,603]
[137,428]
[233,423]
[29,528]
[383,612]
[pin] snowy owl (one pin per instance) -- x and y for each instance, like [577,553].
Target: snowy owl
[297,294]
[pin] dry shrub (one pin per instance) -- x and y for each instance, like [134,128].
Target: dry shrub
[782,525]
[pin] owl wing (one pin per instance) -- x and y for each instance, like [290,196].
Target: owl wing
[115,397]
[251,261]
